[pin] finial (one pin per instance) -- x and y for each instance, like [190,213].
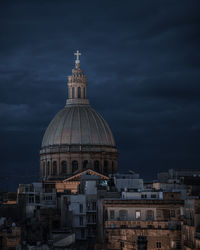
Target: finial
[77,61]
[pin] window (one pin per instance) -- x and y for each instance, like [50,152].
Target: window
[85,164]
[112,214]
[172,213]
[48,168]
[81,208]
[84,94]
[73,93]
[113,167]
[178,245]
[143,196]
[138,214]
[153,196]
[94,218]
[81,220]
[159,214]
[79,92]
[43,169]
[31,198]
[123,214]
[142,242]
[74,166]
[82,233]
[96,166]
[105,167]
[121,245]
[94,205]
[54,168]
[150,215]
[158,244]
[63,167]
[37,199]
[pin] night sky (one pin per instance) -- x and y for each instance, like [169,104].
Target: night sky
[142,61]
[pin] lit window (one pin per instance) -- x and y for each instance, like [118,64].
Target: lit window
[138,214]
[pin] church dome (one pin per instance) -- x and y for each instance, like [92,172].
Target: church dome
[78,137]
[78,124]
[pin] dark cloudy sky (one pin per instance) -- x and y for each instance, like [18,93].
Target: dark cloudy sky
[142,60]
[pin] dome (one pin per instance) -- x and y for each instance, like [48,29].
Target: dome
[78,138]
[78,125]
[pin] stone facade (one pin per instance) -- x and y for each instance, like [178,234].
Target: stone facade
[142,224]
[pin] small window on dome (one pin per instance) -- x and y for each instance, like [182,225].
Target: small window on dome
[105,167]
[74,166]
[54,168]
[48,168]
[113,167]
[96,166]
[84,92]
[85,164]
[79,92]
[63,167]
[73,93]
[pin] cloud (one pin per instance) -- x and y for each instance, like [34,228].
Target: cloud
[141,61]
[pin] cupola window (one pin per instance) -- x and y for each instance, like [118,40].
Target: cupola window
[54,168]
[74,166]
[63,167]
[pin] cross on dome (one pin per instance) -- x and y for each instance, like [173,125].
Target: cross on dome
[77,61]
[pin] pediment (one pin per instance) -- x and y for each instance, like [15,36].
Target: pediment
[77,177]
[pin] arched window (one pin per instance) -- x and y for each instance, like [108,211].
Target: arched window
[54,168]
[73,93]
[74,166]
[105,167]
[43,169]
[79,92]
[96,166]
[48,168]
[84,92]
[113,167]
[85,164]
[63,167]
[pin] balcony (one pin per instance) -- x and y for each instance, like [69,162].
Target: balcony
[143,225]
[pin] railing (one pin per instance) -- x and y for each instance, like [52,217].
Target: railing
[91,222]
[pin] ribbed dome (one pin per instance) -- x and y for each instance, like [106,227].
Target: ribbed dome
[78,124]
